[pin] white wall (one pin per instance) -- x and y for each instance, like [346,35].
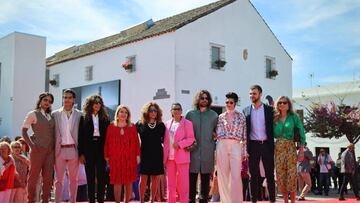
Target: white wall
[236,26]
[6,87]
[25,78]
[154,70]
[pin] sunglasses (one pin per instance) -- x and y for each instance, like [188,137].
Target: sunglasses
[47,100]
[282,102]
[16,147]
[153,111]
[176,109]
[229,102]
[204,98]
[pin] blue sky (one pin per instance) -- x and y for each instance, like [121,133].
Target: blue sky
[322,36]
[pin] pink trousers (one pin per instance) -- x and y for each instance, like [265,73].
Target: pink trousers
[178,180]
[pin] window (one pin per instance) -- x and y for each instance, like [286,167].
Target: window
[88,73]
[55,82]
[217,56]
[132,61]
[270,71]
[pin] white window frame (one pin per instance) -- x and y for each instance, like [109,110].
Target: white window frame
[272,67]
[132,60]
[221,57]
[89,73]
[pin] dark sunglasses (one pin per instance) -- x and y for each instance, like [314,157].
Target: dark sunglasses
[47,100]
[176,109]
[153,110]
[204,98]
[229,102]
[281,102]
[16,147]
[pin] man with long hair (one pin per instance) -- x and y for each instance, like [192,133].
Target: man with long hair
[42,146]
[67,120]
[202,155]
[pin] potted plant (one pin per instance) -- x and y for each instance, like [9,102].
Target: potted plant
[53,82]
[220,63]
[273,73]
[127,66]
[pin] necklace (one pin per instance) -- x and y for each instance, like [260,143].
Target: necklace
[152,125]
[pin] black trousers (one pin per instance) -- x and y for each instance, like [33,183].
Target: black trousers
[246,195]
[265,152]
[205,184]
[95,168]
[348,177]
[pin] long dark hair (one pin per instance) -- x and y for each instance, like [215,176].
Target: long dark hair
[88,107]
[42,96]
[198,97]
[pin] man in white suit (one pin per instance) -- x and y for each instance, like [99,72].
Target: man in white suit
[66,154]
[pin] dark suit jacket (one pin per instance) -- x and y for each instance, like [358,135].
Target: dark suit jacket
[86,131]
[269,124]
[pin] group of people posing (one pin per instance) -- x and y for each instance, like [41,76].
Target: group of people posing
[185,148]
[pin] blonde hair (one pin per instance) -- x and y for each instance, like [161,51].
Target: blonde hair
[13,143]
[144,116]
[276,108]
[7,145]
[128,119]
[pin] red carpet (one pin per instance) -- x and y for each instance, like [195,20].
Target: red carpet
[348,200]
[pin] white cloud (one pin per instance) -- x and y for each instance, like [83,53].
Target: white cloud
[337,78]
[312,13]
[158,9]
[354,63]
[63,21]
[67,22]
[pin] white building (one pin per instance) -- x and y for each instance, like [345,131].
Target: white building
[174,58]
[22,78]
[347,93]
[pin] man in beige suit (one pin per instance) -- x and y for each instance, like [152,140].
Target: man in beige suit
[66,144]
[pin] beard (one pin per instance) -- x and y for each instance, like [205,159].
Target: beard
[255,100]
[203,104]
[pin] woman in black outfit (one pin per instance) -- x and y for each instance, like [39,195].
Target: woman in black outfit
[92,132]
[152,131]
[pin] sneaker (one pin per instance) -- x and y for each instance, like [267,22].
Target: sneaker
[301,199]
[341,198]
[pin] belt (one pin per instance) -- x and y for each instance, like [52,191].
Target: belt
[230,138]
[68,146]
[258,141]
[95,138]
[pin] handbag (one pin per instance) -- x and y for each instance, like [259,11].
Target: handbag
[191,147]
[297,138]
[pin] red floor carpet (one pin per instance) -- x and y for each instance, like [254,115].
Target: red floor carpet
[348,200]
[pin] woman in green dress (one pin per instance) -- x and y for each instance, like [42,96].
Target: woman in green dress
[285,120]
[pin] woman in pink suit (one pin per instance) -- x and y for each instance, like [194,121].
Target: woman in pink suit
[179,134]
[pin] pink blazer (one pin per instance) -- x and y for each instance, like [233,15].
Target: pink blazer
[184,136]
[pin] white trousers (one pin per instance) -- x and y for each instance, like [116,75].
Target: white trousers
[229,159]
